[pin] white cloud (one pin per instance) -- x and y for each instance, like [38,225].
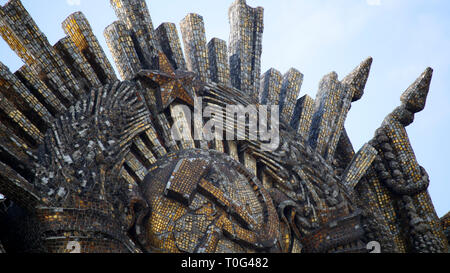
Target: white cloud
[373,2]
[73,2]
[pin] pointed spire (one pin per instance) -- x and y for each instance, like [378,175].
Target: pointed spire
[397,168]
[357,79]
[415,97]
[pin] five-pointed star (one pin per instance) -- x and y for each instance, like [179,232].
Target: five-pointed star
[173,84]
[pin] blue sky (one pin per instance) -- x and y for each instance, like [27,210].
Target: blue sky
[403,36]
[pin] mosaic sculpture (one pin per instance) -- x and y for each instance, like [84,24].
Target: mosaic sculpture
[90,163]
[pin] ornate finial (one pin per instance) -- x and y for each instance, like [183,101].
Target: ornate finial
[357,79]
[415,97]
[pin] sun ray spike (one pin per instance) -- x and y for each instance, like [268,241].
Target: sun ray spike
[120,43]
[356,81]
[32,46]
[194,39]
[270,87]
[290,90]
[325,107]
[79,65]
[218,61]
[136,16]
[170,44]
[77,27]
[352,87]
[303,114]
[333,103]
[245,46]
[18,94]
